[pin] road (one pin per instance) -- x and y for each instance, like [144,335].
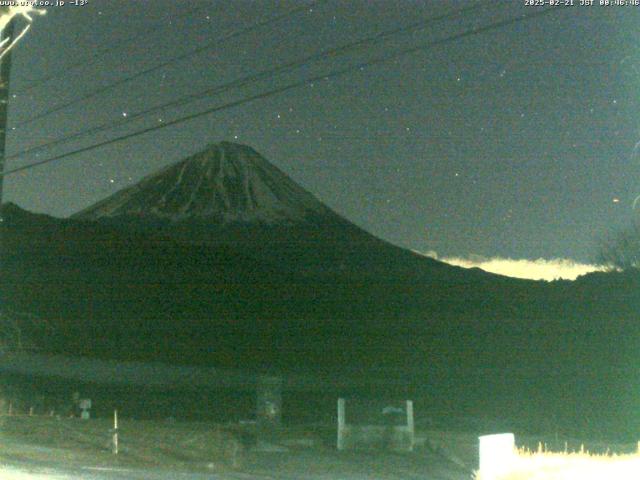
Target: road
[320,464]
[25,471]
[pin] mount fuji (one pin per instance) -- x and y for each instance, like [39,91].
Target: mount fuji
[229,195]
[225,183]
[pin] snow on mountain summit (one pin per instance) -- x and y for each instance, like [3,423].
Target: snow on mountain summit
[226,182]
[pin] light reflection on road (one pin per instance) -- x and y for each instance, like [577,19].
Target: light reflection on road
[95,473]
[9,473]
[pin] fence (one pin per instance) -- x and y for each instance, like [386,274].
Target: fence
[386,435]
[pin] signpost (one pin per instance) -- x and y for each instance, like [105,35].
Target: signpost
[85,406]
[115,433]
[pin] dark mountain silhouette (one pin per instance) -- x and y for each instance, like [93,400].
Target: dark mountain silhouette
[230,195]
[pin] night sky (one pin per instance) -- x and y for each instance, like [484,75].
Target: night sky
[517,142]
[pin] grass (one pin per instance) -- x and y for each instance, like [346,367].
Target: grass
[544,465]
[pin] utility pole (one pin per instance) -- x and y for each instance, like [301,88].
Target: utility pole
[5,76]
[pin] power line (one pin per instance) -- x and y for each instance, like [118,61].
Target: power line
[291,86]
[257,76]
[99,91]
[98,54]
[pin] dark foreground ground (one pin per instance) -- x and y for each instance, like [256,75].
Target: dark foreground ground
[48,448]
[290,465]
